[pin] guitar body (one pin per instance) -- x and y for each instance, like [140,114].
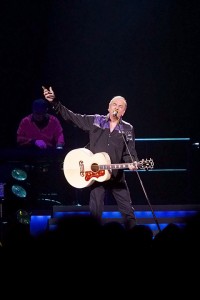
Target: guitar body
[81,167]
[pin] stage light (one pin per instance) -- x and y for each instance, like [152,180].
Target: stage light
[23,216]
[19,191]
[19,174]
[19,196]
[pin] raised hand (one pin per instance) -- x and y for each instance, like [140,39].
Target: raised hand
[48,93]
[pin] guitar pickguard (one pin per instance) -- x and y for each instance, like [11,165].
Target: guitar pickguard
[89,174]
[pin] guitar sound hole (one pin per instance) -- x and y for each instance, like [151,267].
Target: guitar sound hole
[95,167]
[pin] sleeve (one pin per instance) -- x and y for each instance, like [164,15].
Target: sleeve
[59,135]
[22,138]
[130,140]
[84,122]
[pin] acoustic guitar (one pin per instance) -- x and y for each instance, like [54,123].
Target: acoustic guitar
[81,167]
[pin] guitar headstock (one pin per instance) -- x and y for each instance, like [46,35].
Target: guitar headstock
[146,164]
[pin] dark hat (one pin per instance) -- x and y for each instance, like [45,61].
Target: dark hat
[39,106]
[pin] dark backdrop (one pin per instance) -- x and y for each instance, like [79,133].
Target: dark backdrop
[92,50]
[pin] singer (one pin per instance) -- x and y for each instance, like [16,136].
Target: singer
[116,138]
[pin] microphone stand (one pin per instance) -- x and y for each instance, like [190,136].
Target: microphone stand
[1,212]
[140,180]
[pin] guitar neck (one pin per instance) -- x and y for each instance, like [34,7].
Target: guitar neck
[115,166]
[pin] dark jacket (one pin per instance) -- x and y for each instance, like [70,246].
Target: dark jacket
[114,143]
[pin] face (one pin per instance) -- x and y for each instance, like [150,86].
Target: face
[117,104]
[39,116]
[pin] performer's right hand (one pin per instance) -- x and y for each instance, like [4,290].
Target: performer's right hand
[40,144]
[48,94]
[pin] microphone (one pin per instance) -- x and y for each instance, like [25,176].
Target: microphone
[115,112]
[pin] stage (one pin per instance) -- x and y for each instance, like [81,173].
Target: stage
[157,217]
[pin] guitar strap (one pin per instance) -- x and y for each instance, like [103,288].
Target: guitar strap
[87,146]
